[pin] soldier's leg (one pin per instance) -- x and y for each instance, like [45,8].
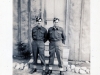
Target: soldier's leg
[51,55]
[35,56]
[42,57]
[41,54]
[51,58]
[35,52]
[59,54]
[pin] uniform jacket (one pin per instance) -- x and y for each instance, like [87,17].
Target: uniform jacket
[56,34]
[39,33]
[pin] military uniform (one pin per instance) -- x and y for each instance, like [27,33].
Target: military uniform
[56,37]
[39,36]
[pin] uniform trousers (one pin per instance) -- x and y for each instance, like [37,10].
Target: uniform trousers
[56,47]
[38,48]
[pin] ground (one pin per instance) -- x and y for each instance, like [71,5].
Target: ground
[17,72]
[26,72]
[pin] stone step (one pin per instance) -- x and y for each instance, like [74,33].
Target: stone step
[54,68]
[65,53]
[65,62]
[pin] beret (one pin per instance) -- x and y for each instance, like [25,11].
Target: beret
[38,19]
[55,19]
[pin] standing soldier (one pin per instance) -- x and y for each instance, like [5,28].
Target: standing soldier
[56,37]
[39,36]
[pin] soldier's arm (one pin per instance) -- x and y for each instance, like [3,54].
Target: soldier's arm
[32,33]
[63,37]
[45,36]
[48,34]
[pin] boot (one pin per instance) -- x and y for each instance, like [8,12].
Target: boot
[33,70]
[49,72]
[43,72]
[61,73]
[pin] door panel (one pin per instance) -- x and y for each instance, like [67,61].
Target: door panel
[55,8]
[60,9]
[49,9]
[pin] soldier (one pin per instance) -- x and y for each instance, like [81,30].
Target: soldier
[56,37]
[39,36]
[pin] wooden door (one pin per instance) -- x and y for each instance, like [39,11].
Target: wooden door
[54,8]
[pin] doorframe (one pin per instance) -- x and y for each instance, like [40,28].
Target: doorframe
[67,21]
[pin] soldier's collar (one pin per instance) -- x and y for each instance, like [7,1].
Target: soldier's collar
[39,27]
[55,27]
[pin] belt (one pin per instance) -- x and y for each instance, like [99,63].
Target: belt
[55,40]
[37,40]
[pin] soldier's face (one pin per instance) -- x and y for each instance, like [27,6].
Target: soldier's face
[55,23]
[39,23]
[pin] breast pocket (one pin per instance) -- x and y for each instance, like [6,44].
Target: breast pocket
[59,33]
[41,33]
[34,32]
[51,34]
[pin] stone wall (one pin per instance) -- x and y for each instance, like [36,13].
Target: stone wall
[79,30]
[35,9]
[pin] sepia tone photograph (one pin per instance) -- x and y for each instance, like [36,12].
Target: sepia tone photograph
[51,37]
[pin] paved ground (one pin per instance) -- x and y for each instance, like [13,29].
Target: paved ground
[17,72]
